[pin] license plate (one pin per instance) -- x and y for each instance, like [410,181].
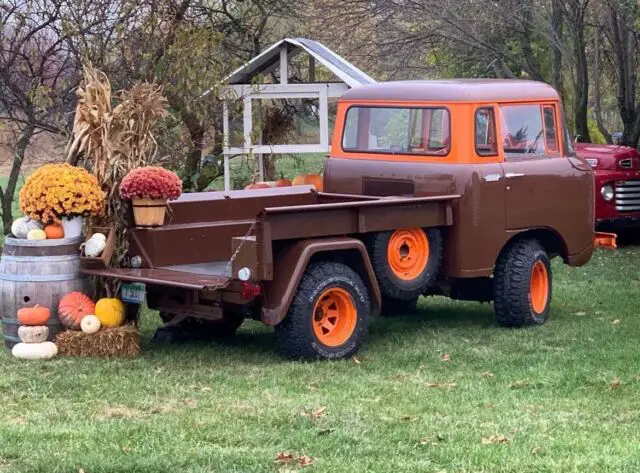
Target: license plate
[133,292]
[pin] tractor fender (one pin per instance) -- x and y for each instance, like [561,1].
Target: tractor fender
[292,261]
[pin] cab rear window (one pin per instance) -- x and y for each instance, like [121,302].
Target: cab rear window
[391,130]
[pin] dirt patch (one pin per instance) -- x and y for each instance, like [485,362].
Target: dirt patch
[119,412]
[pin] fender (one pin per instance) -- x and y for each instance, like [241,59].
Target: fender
[293,261]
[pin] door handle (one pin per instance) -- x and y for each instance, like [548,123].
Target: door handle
[511,175]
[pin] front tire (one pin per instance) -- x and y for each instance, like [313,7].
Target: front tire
[522,285]
[328,317]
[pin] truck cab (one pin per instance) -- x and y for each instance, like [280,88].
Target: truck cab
[502,145]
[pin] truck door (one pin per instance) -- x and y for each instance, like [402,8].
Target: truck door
[542,187]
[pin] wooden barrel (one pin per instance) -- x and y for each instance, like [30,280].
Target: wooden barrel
[38,272]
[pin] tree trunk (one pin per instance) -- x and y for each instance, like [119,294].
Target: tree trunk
[7,195]
[557,23]
[194,157]
[581,99]
[597,91]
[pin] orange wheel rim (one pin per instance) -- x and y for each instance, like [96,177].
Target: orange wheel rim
[334,317]
[539,287]
[408,253]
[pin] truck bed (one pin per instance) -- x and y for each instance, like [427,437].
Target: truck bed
[195,249]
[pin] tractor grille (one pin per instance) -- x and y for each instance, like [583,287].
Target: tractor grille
[628,196]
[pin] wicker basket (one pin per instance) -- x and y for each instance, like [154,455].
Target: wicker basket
[149,212]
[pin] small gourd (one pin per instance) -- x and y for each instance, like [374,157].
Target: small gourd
[110,312]
[73,307]
[36,234]
[37,315]
[90,324]
[35,351]
[54,231]
[34,334]
[95,245]
[21,226]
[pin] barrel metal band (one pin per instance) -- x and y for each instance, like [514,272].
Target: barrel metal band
[38,278]
[40,259]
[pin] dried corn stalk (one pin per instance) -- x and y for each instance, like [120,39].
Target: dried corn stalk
[114,141]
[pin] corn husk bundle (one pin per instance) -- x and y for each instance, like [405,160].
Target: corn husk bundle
[118,342]
[113,141]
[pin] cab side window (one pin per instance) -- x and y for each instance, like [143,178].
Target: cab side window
[485,132]
[528,130]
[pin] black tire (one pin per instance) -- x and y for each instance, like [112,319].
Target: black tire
[295,335]
[390,284]
[512,284]
[395,307]
[195,328]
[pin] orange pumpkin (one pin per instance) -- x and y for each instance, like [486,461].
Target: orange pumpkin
[37,315]
[309,180]
[73,307]
[258,185]
[283,182]
[54,231]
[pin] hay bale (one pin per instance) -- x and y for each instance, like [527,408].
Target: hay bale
[119,341]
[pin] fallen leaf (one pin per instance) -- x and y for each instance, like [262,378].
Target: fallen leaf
[407,418]
[284,457]
[445,357]
[441,385]
[356,361]
[315,413]
[325,432]
[80,470]
[486,374]
[313,387]
[430,440]
[520,384]
[579,314]
[615,383]
[489,406]
[616,322]
[305,460]
[495,439]
[536,451]
[206,389]
[126,449]
[191,403]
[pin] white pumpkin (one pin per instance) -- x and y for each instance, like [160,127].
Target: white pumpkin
[99,236]
[36,234]
[90,324]
[93,247]
[21,226]
[33,334]
[35,351]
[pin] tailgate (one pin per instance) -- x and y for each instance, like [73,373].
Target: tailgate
[165,277]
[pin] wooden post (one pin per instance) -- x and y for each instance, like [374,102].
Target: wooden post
[225,145]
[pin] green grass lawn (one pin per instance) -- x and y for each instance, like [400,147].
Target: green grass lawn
[444,390]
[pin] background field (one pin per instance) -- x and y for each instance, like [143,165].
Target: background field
[442,390]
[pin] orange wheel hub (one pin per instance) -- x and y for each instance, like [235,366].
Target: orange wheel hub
[408,253]
[334,317]
[539,287]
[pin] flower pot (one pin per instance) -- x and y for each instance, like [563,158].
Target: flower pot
[149,212]
[72,226]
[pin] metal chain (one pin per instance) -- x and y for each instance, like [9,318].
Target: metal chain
[244,238]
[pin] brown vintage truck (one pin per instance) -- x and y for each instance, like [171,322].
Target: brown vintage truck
[462,188]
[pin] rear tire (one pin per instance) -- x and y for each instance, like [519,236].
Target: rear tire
[328,317]
[407,261]
[522,285]
[396,307]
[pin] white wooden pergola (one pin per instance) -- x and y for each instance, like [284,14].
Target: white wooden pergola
[242,85]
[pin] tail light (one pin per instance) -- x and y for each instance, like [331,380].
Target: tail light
[249,290]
